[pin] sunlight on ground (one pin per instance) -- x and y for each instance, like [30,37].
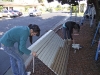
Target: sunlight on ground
[1,33]
[8,18]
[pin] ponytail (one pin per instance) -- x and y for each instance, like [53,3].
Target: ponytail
[30,26]
[36,29]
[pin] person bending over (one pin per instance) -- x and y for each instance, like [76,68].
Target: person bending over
[20,35]
[68,28]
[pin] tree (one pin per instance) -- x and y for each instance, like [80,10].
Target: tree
[40,1]
[1,7]
[66,1]
[8,0]
[95,2]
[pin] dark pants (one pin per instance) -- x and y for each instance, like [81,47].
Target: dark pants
[66,33]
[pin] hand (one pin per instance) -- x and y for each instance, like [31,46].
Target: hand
[34,54]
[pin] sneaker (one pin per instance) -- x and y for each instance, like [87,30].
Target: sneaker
[69,39]
[64,40]
[28,73]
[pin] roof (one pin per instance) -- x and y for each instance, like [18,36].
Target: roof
[19,4]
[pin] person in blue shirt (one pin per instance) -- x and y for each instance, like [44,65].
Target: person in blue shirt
[20,35]
[68,29]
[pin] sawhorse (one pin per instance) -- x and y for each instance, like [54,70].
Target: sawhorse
[95,33]
[98,50]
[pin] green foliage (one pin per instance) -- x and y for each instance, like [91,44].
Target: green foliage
[26,8]
[74,9]
[1,8]
[58,8]
[49,9]
[8,0]
[40,1]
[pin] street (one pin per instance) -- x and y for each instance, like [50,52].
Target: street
[45,22]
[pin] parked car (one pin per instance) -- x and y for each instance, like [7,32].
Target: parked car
[35,13]
[18,12]
[9,13]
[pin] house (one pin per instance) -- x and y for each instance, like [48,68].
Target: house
[21,6]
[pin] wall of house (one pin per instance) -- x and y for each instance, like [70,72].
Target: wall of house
[26,1]
[20,8]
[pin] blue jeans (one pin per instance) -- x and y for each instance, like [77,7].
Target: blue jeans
[17,63]
[66,33]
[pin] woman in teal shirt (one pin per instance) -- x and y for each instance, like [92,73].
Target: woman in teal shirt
[20,35]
